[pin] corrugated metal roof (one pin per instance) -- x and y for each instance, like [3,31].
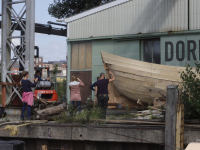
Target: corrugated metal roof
[133,17]
[194,14]
[94,10]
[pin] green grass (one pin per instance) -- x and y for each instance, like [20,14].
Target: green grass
[84,117]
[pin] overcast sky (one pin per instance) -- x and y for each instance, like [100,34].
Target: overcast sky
[52,48]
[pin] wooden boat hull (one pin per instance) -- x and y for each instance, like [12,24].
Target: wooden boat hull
[141,80]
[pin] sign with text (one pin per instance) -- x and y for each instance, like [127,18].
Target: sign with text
[181,50]
[178,50]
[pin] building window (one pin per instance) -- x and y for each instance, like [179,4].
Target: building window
[44,65]
[45,72]
[36,60]
[152,51]
[39,59]
[39,65]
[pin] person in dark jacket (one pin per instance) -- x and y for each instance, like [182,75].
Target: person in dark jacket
[92,87]
[102,92]
[27,96]
[38,75]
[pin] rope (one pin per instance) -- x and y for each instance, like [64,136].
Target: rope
[14,128]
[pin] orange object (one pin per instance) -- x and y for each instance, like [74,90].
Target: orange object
[49,95]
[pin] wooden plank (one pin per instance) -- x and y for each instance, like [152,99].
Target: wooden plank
[106,56]
[74,58]
[144,73]
[44,147]
[88,54]
[4,83]
[116,97]
[171,116]
[180,126]
[139,80]
[127,122]
[158,82]
[143,68]
[81,57]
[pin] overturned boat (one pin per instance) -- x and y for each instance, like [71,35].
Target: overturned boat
[138,80]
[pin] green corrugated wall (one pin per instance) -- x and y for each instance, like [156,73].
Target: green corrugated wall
[129,49]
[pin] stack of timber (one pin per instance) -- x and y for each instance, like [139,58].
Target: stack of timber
[151,113]
[136,80]
[49,111]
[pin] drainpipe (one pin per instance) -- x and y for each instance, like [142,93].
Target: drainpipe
[188,14]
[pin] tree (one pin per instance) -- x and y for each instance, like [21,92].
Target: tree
[55,70]
[191,91]
[61,89]
[66,8]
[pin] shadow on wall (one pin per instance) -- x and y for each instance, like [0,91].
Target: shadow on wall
[160,14]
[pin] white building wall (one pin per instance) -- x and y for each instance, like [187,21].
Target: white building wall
[133,17]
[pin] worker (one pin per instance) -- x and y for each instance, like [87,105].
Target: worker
[93,88]
[75,95]
[102,92]
[38,75]
[27,96]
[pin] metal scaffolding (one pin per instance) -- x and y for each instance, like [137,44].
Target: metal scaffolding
[24,54]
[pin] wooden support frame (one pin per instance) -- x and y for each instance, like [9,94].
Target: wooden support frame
[174,119]
[171,116]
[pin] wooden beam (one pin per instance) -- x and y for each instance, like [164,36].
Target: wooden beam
[74,57]
[171,116]
[127,122]
[4,83]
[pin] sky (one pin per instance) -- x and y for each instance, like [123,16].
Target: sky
[52,48]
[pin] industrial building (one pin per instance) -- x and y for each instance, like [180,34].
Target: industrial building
[157,31]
